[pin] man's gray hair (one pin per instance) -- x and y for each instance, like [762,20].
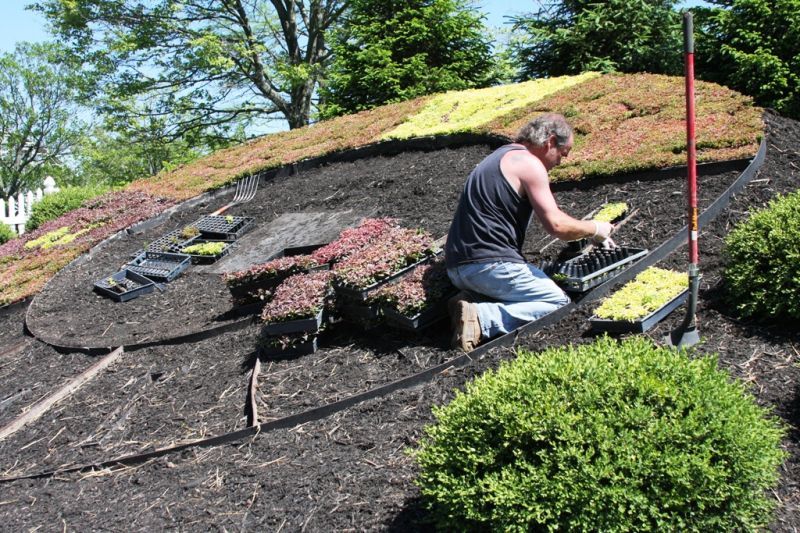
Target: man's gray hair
[539,130]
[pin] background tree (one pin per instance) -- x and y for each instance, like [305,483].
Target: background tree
[574,36]
[753,46]
[203,65]
[39,124]
[392,50]
[113,154]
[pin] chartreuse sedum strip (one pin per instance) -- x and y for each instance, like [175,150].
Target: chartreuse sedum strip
[458,111]
[648,291]
[611,211]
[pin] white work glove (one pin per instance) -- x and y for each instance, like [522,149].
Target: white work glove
[602,234]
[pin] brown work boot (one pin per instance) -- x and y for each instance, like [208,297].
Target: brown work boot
[466,326]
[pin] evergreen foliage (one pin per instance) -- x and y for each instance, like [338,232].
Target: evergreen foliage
[763,261]
[574,36]
[753,46]
[54,205]
[393,51]
[602,437]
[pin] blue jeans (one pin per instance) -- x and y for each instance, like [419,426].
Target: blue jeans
[508,295]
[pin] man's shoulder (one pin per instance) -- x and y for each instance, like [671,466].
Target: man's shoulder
[524,165]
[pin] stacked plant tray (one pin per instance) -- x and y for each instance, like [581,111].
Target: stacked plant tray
[297,344]
[310,325]
[361,294]
[593,268]
[159,266]
[419,321]
[223,228]
[124,285]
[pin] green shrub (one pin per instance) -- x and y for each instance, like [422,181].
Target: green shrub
[763,261]
[601,437]
[54,205]
[6,233]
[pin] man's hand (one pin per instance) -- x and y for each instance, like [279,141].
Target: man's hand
[602,231]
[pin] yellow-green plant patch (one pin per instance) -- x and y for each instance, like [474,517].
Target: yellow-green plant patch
[611,211]
[48,239]
[461,111]
[650,290]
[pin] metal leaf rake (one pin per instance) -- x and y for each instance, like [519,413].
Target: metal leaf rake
[245,191]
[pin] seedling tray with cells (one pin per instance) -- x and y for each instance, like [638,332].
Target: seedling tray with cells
[171,242]
[592,268]
[226,228]
[160,266]
[124,285]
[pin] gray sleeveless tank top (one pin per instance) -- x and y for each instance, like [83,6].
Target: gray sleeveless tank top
[491,218]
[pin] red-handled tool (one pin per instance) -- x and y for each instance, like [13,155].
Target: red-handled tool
[686,334]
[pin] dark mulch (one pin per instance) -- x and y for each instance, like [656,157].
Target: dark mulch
[349,471]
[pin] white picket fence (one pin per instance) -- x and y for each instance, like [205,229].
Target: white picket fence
[16,212]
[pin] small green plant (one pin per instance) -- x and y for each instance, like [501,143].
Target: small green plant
[6,233]
[601,437]
[189,232]
[117,286]
[763,262]
[205,248]
[611,211]
[229,219]
[648,291]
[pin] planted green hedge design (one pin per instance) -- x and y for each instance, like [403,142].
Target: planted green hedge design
[601,437]
[763,261]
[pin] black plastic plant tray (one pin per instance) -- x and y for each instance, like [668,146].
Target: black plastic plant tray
[160,266]
[365,316]
[307,325]
[205,259]
[641,325]
[593,268]
[223,228]
[171,242]
[136,285]
[303,348]
[361,295]
[427,317]
[302,250]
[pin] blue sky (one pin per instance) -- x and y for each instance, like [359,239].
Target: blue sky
[18,24]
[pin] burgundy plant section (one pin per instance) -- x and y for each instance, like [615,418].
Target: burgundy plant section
[299,296]
[385,256]
[425,286]
[275,268]
[351,240]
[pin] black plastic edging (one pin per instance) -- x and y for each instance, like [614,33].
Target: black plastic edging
[508,339]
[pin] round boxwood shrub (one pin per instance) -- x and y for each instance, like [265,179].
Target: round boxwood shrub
[601,437]
[6,233]
[56,204]
[763,261]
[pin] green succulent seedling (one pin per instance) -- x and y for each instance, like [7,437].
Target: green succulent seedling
[190,231]
[205,248]
[229,219]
